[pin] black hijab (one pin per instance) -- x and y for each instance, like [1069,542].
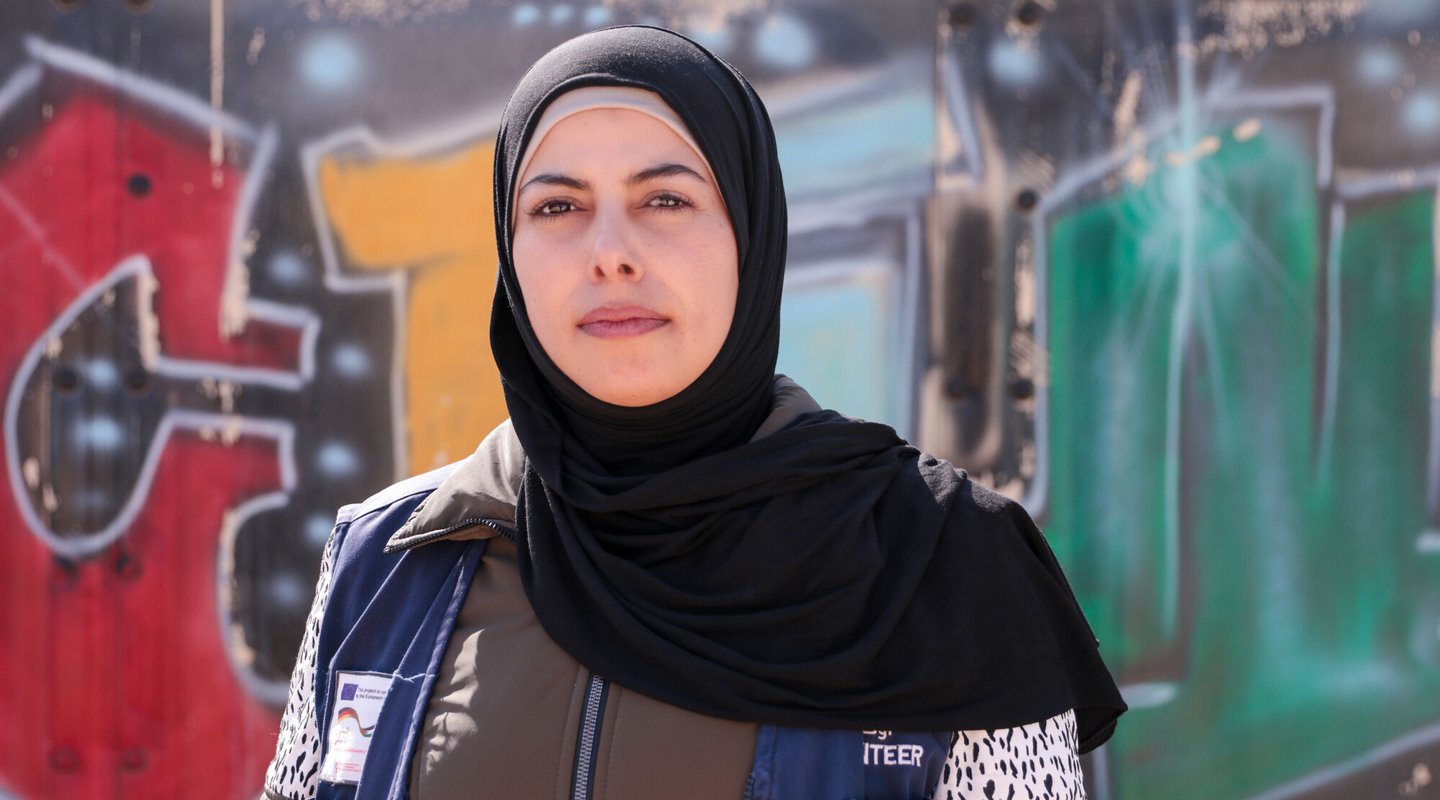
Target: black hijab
[826,575]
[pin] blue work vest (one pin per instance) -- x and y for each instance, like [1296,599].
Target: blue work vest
[392,615]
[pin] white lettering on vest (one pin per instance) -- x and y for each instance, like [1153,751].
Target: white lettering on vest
[892,755]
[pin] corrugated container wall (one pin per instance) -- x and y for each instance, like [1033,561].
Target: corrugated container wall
[1165,271]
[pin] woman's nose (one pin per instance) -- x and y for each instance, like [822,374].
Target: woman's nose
[612,254]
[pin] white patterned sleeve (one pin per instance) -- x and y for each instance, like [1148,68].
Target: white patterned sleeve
[1040,761]
[295,771]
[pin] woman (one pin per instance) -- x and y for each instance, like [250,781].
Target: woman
[670,573]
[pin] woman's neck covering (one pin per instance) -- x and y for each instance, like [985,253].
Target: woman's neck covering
[824,575]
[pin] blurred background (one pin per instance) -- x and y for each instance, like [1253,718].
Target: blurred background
[1164,270]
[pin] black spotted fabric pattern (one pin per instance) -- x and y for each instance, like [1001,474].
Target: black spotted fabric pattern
[295,771]
[1039,761]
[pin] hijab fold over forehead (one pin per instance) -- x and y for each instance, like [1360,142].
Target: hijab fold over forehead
[825,575]
[727,402]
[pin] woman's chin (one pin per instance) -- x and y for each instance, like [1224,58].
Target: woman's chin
[632,396]
[633,388]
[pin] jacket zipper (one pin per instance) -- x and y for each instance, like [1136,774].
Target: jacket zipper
[588,741]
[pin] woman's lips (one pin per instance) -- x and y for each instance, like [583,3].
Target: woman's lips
[617,321]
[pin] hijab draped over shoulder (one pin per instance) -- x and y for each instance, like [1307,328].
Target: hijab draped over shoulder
[826,575]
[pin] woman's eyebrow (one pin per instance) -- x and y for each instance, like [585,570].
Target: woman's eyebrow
[552,179]
[663,171]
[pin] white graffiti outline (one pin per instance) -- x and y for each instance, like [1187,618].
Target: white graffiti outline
[1302,787]
[434,140]
[1075,180]
[134,267]
[1070,185]
[902,285]
[245,204]
[860,207]
[201,115]
[1330,390]
[1357,187]
[264,142]
[1429,540]
[20,83]
[1368,184]
[1351,187]
[268,691]
[103,73]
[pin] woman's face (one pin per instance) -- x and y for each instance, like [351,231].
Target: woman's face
[625,256]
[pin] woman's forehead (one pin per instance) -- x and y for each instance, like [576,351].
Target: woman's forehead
[597,98]
[610,139]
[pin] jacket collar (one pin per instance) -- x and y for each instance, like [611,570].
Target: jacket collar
[477,499]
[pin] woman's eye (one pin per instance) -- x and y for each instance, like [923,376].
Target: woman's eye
[550,209]
[553,208]
[668,201]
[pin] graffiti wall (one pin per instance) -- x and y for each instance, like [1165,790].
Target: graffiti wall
[1163,270]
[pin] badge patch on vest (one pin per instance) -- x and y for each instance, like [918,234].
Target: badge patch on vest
[353,716]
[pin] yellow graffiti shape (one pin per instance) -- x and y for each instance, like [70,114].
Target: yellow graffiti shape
[430,216]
